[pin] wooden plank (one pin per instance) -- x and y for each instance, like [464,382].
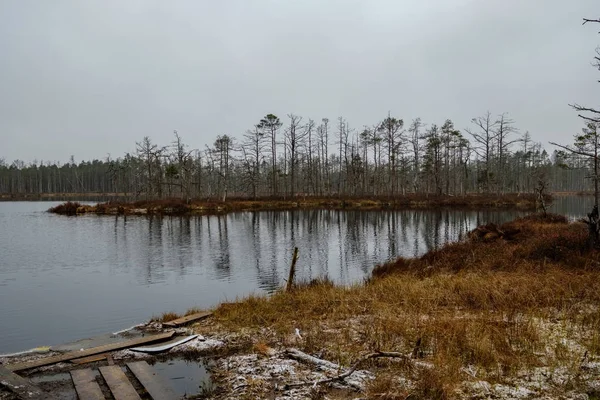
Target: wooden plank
[164,346]
[117,382]
[187,319]
[90,359]
[89,352]
[156,386]
[20,386]
[85,385]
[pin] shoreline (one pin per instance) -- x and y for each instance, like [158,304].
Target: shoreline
[509,312]
[176,206]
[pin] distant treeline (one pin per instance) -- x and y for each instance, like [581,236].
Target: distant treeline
[299,157]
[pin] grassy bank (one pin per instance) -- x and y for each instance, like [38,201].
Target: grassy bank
[513,309]
[178,206]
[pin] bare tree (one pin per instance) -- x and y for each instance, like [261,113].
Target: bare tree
[252,149]
[343,134]
[323,135]
[295,134]
[503,142]
[484,137]
[414,140]
[392,132]
[310,178]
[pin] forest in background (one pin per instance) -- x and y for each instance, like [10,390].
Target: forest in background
[292,156]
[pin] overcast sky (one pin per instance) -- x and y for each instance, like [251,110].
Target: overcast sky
[88,78]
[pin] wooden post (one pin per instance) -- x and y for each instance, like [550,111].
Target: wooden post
[290,281]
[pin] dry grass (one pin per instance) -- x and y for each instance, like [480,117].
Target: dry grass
[166,317]
[494,306]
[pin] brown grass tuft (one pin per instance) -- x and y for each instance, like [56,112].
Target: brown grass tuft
[166,317]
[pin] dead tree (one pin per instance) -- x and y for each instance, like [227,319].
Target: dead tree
[484,138]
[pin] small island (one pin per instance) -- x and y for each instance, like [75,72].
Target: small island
[175,206]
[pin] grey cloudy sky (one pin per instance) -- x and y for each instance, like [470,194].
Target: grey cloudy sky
[91,77]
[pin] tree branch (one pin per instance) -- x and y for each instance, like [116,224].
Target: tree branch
[586,20]
[297,354]
[574,151]
[585,109]
[596,120]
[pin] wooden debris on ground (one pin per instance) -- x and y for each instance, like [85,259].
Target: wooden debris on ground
[89,352]
[188,319]
[20,386]
[341,376]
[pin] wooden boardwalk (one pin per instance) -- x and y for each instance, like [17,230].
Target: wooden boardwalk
[88,387]
[87,384]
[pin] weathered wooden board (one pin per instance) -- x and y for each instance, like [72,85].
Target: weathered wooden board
[187,319]
[90,359]
[89,352]
[20,386]
[85,385]
[155,385]
[117,382]
[164,346]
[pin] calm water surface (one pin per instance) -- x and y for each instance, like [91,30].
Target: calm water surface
[65,278]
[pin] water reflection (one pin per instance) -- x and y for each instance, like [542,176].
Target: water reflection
[573,206]
[258,245]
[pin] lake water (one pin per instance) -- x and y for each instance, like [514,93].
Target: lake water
[66,278]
